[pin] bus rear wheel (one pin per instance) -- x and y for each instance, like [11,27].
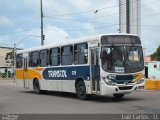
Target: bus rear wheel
[36,87]
[81,90]
[118,96]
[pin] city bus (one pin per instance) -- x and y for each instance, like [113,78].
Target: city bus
[109,64]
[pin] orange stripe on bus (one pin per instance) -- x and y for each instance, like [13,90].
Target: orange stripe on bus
[30,74]
[39,69]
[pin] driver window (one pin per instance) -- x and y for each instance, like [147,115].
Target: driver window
[133,55]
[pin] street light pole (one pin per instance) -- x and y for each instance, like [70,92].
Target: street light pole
[14,62]
[95,12]
[42,35]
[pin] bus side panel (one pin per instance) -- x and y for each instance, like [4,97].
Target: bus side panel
[69,86]
[49,85]
[19,78]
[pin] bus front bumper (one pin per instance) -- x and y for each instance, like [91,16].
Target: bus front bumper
[120,89]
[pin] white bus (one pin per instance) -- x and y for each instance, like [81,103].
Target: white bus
[101,64]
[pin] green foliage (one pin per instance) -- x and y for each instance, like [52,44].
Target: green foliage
[158,51]
[156,55]
[9,56]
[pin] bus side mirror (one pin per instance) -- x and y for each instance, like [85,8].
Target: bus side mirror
[102,55]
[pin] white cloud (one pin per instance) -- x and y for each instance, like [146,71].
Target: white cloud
[150,34]
[86,29]
[81,4]
[5,41]
[31,38]
[150,41]
[52,35]
[5,21]
[55,35]
[152,5]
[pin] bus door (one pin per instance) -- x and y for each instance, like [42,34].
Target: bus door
[25,68]
[95,69]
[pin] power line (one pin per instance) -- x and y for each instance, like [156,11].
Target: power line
[80,20]
[100,27]
[145,17]
[155,14]
[27,21]
[84,20]
[9,33]
[18,24]
[87,11]
[54,16]
[14,32]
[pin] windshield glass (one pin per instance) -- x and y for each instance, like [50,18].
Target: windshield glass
[122,59]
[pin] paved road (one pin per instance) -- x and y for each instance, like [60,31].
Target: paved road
[17,100]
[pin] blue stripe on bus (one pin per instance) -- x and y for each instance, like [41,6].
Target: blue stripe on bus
[67,73]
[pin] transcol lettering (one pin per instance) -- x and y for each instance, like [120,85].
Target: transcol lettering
[57,73]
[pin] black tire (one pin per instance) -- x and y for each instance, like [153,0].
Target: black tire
[81,90]
[118,96]
[36,87]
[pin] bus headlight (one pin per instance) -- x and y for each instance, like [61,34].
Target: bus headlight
[108,81]
[111,77]
[140,81]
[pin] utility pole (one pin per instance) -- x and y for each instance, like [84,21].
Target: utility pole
[42,35]
[14,62]
[95,12]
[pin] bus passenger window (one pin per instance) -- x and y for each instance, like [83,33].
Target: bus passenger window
[81,53]
[34,58]
[43,58]
[67,55]
[55,56]
[19,61]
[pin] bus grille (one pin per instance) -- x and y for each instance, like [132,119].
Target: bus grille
[124,77]
[125,88]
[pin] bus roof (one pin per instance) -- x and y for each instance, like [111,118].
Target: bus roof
[70,41]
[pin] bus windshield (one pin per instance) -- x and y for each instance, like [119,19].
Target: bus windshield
[122,59]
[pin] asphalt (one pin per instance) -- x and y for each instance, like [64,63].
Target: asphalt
[23,101]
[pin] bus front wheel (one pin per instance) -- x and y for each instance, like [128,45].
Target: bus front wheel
[36,87]
[81,90]
[118,96]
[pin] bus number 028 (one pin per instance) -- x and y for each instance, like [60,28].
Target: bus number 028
[73,72]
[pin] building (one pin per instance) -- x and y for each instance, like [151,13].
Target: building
[129,16]
[147,60]
[3,52]
[154,70]
[6,66]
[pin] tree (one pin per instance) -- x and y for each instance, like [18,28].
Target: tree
[9,57]
[156,55]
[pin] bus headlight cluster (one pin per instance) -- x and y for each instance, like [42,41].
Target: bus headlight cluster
[108,80]
[111,77]
[140,81]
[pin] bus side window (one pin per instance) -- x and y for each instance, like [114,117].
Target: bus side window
[76,55]
[81,53]
[44,58]
[34,59]
[19,61]
[55,56]
[67,55]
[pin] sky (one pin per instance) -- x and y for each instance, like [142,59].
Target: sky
[70,19]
